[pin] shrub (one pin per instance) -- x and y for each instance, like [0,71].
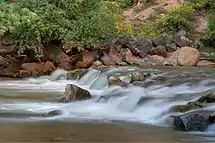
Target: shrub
[33,23]
[176,20]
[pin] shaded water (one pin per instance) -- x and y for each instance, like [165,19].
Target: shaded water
[127,114]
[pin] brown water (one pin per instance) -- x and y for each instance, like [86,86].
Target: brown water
[90,132]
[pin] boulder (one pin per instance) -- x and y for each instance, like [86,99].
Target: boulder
[172,60]
[186,108]
[130,58]
[182,41]
[138,76]
[86,60]
[63,61]
[76,74]
[48,67]
[172,47]
[205,63]
[107,60]
[36,69]
[97,63]
[194,121]
[115,56]
[75,93]
[159,50]
[112,80]
[188,56]
[209,98]
[12,71]
[158,60]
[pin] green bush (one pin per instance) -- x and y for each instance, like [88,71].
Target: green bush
[33,23]
[176,20]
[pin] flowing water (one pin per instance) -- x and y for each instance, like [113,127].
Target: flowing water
[133,113]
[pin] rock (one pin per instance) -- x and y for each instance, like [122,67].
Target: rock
[76,74]
[194,121]
[209,98]
[159,50]
[158,59]
[205,63]
[112,80]
[181,33]
[97,63]
[12,71]
[123,64]
[115,56]
[172,60]
[188,56]
[63,61]
[171,47]
[138,48]
[3,63]
[161,39]
[182,41]
[24,73]
[185,108]
[138,76]
[74,93]
[36,69]
[86,60]
[49,67]
[126,77]
[130,58]
[107,60]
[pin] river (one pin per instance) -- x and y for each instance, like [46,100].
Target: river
[141,114]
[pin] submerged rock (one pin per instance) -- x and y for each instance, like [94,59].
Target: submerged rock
[112,80]
[210,98]
[76,74]
[194,121]
[75,93]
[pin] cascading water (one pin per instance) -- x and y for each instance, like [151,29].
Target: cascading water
[148,103]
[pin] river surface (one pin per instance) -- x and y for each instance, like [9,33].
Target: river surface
[141,114]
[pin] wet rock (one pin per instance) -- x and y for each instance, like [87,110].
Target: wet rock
[194,121]
[205,63]
[126,77]
[48,67]
[107,60]
[159,60]
[159,50]
[76,74]
[185,108]
[123,64]
[24,73]
[36,69]
[138,76]
[161,39]
[75,93]
[210,98]
[97,63]
[86,60]
[112,80]
[171,47]
[188,56]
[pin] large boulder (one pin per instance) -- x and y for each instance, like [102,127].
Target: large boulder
[188,56]
[158,60]
[172,60]
[75,93]
[76,74]
[48,67]
[194,121]
[115,56]
[181,39]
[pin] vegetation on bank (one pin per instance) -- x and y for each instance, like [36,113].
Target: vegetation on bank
[34,23]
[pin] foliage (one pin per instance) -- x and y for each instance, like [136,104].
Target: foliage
[148,31]
[176,19]
[33,23]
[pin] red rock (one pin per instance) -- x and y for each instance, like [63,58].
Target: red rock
[115,55]
[63,61]
[158,59]
[188,56]
[35,68]
[48,67]
[205,63]
[86,60]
